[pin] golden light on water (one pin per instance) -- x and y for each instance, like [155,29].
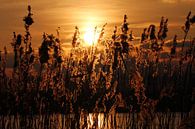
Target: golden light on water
[93,117]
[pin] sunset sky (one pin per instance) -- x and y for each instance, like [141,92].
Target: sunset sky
[50,14]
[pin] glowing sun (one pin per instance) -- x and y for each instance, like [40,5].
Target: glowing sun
[90,37]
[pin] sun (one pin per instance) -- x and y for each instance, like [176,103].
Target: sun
[90,36]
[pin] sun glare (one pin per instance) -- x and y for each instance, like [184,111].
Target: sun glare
[90,36]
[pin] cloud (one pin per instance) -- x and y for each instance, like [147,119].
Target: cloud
[187,0]
[170,1]
[48,15]
[177,1]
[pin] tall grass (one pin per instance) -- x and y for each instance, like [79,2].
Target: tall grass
[119,77]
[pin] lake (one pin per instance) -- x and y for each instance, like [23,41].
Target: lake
[94,121]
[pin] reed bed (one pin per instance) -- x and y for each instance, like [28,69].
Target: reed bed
[90,86]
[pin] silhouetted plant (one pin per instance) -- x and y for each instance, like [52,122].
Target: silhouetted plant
[173,49]
[144,35]
[186,27]
[93,80]
[152,31]
[75,39]
[44,50]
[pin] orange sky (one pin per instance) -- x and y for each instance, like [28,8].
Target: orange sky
[50,14]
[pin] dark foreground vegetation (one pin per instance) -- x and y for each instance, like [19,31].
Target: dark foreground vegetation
[108,77]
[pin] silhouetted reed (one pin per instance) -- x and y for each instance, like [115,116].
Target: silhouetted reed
[89,84]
